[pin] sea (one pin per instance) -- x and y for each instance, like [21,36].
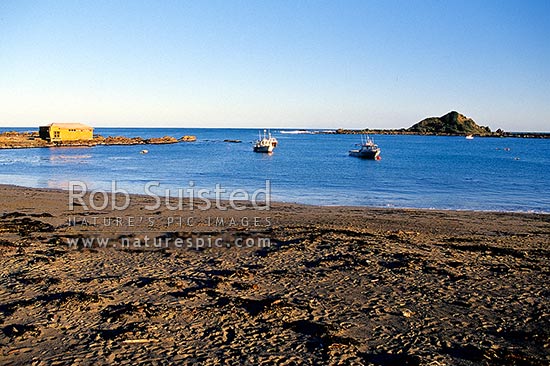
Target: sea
[429,172]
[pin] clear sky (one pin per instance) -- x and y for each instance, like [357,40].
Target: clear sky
[273,63]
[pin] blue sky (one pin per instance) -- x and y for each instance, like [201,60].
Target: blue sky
[296,64]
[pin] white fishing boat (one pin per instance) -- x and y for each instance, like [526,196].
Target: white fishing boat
[469,137]
[265,143]
[367,149]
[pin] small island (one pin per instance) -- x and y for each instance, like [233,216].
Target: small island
[450,124]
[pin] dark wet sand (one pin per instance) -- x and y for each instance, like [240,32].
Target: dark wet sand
[336,285]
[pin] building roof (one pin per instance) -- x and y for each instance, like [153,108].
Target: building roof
[71,125]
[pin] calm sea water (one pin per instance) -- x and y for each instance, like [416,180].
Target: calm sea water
[415,171]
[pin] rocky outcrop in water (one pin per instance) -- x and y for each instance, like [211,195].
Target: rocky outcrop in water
[162,140]
[22,140]
[453,123]
[118,140]
[188,138]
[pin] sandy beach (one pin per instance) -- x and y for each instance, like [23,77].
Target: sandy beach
[290,285]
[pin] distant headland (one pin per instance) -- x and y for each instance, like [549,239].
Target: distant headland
[451,124]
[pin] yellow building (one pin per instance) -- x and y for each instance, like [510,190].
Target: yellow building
[59,132]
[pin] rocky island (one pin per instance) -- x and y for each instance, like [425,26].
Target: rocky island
[453,123]
[450,124]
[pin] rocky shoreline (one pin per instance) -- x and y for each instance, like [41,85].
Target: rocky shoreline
[500,134]
[24,140]
[336,285]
